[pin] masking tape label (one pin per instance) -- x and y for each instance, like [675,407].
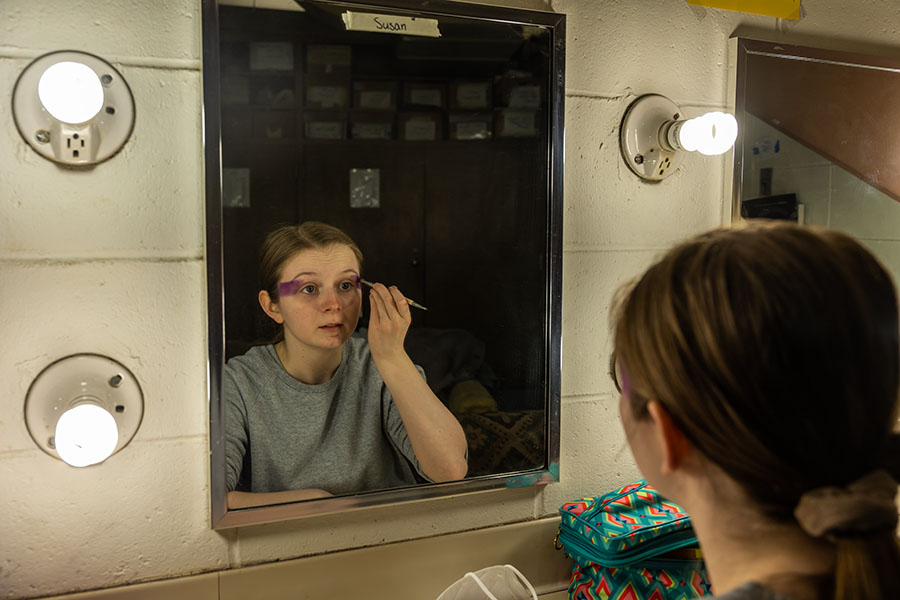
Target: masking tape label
[356,21]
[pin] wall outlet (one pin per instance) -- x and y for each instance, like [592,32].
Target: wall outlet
[75,144]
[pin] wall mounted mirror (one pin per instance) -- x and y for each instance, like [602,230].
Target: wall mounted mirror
[431,132]
[817,141]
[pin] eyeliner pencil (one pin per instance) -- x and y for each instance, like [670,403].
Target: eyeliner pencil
[412,303]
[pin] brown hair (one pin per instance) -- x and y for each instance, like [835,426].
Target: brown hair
[775,348]
[286,241]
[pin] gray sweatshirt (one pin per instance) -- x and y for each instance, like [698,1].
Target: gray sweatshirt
[343,436]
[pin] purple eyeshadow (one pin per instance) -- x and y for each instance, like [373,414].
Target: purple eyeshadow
[626,383]
[289,288]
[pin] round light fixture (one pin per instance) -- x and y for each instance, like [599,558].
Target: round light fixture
[653,134]
[83,408]
[71,92]
[73,108]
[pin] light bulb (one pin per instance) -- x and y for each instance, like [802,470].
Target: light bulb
[712,133]
[86,435]
[71,92]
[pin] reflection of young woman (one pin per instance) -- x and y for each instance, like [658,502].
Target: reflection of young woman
[320,412]
[759,373]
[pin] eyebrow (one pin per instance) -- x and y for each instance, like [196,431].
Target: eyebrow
[316,273]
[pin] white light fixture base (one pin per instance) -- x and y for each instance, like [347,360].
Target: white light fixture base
[74,144]
[77,379]
[639,137]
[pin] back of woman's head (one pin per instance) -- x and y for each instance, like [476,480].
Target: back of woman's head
[775,348]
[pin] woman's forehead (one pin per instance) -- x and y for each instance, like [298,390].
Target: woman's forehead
[331,260]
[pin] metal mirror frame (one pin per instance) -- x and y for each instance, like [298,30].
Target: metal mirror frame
[221,517]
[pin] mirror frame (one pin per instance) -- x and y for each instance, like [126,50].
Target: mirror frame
[221,517]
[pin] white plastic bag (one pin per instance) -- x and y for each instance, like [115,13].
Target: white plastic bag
[500,582]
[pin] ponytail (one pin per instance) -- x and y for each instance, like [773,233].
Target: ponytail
[861,520]
[867,567]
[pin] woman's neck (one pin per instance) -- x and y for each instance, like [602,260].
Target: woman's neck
[740,545]
[313,366]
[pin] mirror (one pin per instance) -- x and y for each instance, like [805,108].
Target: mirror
[431,132]
[817,142]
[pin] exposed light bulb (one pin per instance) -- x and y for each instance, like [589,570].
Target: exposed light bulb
[710,134]
[71,92]
[86,435]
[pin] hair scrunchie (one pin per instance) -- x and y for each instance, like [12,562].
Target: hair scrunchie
[865,505]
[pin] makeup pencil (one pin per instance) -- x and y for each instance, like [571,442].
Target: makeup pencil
[412,303]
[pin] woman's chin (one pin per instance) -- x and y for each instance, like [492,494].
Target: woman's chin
[332,337]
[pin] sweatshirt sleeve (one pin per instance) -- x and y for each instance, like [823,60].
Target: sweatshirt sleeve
[236,438]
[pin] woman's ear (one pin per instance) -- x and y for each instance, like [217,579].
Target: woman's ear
[270,307]
[673,443]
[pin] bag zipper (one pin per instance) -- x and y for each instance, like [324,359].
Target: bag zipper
[585,552]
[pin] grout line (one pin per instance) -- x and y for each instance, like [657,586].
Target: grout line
[19,452]
[585,398]
[174,438]
[703,104]
[234,551]
[873,239]
[69,260]
[573,93]
[177,64]
[576,93]
[169,64]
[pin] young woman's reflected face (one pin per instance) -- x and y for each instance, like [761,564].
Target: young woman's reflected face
[319,296]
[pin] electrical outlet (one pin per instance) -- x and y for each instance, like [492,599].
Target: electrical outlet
[75,144]
[664,164]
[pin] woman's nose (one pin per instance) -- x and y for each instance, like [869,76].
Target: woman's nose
[330,300]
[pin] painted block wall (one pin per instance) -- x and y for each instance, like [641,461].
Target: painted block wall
[110,260]
[831,195]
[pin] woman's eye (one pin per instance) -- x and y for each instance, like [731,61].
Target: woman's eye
[308,289]
[346,286]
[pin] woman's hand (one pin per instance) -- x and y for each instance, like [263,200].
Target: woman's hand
[436,436]
[389,321]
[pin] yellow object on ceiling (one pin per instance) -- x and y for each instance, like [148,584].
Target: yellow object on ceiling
[783,9]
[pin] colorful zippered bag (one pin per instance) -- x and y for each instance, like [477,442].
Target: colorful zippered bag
[631,544]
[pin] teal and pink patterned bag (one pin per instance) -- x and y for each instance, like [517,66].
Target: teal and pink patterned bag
[631,544]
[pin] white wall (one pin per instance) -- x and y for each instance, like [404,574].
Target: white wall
[110,261]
